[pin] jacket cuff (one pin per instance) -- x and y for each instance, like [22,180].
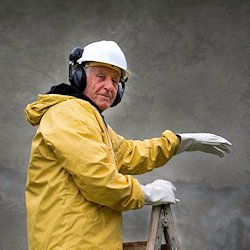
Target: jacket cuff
[173,139]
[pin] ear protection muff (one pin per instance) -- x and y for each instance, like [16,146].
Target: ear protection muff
[78,79]
[77,76]
[120,91]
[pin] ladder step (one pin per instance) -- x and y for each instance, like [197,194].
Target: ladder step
[135,245]
[140,245]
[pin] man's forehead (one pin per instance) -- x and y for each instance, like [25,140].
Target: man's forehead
[104,69]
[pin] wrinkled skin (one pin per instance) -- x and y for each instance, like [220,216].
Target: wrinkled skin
[102,85]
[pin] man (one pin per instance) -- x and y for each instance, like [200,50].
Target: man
[79,179]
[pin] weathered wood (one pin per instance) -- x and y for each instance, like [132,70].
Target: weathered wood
[135,245]
[138,246]
[161,223]
[170,232]
[153,227]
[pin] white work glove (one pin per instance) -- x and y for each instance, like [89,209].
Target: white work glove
[159,192]
[206,142]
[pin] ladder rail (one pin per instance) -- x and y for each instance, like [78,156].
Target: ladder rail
[161,224]
[169,231]
[153,236]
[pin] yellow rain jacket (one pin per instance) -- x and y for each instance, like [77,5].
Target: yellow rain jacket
[78,181]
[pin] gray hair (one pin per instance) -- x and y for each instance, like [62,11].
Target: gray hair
[87,70]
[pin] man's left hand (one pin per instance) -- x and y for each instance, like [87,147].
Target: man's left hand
[205,142]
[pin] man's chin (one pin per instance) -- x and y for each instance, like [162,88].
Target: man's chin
[103,106]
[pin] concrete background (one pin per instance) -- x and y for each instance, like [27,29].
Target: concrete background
[190,64]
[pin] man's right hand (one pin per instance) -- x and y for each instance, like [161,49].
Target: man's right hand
[159,192]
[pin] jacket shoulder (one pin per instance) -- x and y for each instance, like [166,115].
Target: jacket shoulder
[65,114]
[74,108]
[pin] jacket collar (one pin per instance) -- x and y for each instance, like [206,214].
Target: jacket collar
[65,89]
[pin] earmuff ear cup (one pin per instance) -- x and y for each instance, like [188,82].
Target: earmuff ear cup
[79,79]
[119,95]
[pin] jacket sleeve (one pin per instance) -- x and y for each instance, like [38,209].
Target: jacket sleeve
[138,157]
[76,139]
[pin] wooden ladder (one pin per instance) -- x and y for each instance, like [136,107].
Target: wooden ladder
[161,223]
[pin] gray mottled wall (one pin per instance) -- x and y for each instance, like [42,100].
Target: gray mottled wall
[190,62]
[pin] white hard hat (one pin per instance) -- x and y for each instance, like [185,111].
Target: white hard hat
[107,52]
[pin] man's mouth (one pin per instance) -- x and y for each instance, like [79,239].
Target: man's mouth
[105,96]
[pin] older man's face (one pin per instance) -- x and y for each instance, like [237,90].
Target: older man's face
[102,85]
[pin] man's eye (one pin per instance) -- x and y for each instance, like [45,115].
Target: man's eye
[115,83]
[102,77]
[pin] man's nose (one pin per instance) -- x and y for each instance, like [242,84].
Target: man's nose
[109,84]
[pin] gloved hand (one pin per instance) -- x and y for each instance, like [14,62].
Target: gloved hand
[159,192]
[206,142]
